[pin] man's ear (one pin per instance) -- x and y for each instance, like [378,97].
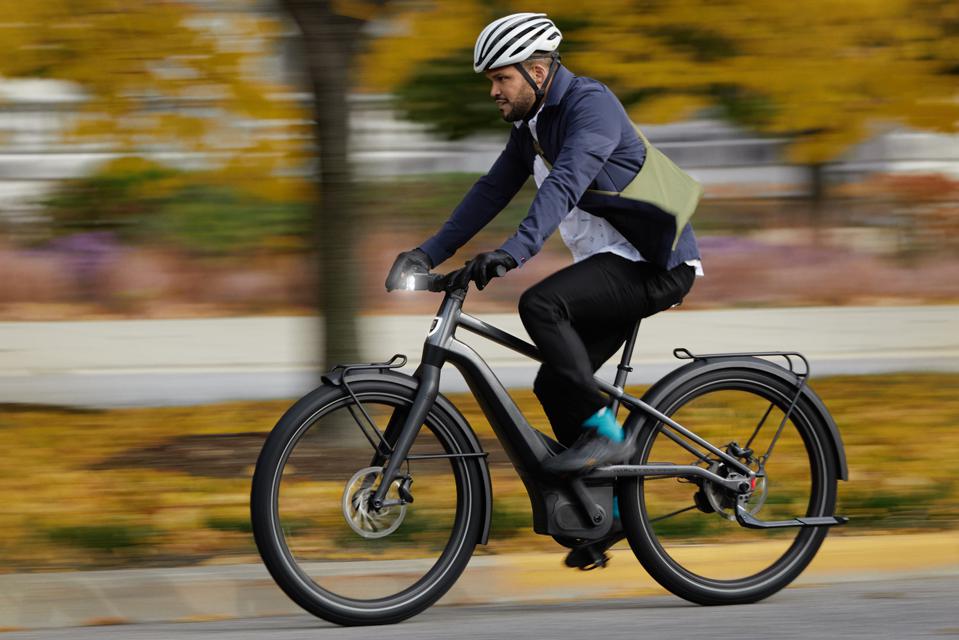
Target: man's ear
[540,71]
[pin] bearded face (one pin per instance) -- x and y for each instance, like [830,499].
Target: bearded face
[512,93]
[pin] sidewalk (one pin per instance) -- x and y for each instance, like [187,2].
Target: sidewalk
[30,601]
[150,362]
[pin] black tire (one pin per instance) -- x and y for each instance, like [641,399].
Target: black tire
[730,564]
[304,538]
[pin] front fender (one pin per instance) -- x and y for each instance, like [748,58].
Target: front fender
[659,391]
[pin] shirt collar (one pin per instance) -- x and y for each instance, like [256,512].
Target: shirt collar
[531,121]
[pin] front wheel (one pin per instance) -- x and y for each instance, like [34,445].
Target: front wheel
[314,527]
[684,530]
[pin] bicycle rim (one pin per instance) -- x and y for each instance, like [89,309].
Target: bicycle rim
[318,534]
[692,541]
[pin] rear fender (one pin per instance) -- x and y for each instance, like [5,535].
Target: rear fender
[659,391]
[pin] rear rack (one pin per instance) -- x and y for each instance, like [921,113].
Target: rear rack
[683,353]
[803,376]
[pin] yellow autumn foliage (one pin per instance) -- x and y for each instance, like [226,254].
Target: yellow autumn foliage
[828,73]
[163,76]
[419,32]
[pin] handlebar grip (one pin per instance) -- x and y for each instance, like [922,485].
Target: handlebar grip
[436,283]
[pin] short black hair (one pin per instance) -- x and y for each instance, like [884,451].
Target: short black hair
[540,56]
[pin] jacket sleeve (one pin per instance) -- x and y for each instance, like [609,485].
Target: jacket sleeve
[483,201]
[593,133]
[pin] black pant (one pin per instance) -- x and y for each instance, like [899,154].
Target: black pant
[579,317]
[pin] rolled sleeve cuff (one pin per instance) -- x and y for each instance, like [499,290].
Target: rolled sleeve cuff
[516,250]
[435,251]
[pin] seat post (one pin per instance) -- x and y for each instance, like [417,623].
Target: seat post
[623,369]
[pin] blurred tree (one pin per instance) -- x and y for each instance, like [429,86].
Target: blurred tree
[827,75]
[824,74]
[331,33]
[163,77]
[136,200]
[426,59]
[168,76]
[118,198]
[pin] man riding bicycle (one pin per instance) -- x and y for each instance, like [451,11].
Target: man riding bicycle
[623,209]
[629,259]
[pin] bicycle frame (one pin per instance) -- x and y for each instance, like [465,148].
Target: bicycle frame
[527,447]
[576,511]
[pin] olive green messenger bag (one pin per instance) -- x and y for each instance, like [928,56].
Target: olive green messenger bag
[659,182]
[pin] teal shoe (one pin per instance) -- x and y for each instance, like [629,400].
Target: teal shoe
[604,422]
[602,442]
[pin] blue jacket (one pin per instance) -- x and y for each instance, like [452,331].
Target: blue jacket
[590,142]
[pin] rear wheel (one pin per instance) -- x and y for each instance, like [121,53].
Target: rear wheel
[684,531]
[323,543]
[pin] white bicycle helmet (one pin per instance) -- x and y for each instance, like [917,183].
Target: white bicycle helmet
[513,39]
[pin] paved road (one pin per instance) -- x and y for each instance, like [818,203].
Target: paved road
[901,609]
[175,362]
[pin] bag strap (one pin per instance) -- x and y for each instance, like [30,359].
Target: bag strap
[539,150]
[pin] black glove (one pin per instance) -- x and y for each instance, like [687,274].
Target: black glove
[482,269]
[406,264]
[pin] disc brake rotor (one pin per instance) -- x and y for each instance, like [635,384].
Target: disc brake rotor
[361,517]
[724,503]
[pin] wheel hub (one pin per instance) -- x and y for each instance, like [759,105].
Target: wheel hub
[358,511]
[723,500]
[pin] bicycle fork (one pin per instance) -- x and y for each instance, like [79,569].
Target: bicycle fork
[429,377]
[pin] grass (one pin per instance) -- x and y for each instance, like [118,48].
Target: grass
[103,537]
[236,524]
[85,489]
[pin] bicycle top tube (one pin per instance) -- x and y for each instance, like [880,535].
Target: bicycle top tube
[450,313]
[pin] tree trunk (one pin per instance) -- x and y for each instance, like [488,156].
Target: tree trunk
[330,43]
[817,201]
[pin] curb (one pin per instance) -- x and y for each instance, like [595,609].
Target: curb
[191,594]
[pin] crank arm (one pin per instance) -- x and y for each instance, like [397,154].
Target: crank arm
[749,521]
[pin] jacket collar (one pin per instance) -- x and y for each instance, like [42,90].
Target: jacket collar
[561,81]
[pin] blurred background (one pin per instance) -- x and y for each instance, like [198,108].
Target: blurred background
[208,193]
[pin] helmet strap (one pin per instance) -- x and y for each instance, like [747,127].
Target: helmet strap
[540,91]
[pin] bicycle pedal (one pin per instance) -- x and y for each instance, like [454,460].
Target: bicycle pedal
[599,564]
[587,558]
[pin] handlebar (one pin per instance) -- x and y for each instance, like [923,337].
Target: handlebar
[438,283]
